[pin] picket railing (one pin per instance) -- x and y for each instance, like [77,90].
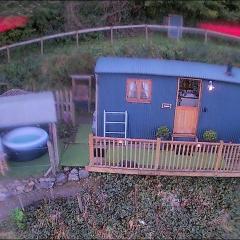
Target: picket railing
[156,157]
[65,105]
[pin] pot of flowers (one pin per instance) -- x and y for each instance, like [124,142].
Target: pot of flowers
[210,136]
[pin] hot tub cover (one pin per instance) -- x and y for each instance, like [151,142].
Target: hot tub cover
[33,108]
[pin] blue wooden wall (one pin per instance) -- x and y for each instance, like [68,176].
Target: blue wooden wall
[221,104]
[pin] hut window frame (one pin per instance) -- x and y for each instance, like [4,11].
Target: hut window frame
[139,90]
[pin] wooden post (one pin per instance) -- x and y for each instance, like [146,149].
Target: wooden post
[72,109]
[80,203]
[146,33]
[55,144]
[157,157]
[77,39]
[8,55]
[111,35]
[206,37]
[90,94]
[41,46]
[178,33]
[51,157]
[3,163]
[90,143]
[219,157]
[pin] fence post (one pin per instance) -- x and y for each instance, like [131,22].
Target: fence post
[146,33]
[90,143]
[178,33]
[157,157]
[219,156]
[55,144]
[111,35]
[77,39]
[72,108]
[206,37]
[41,46]
[8,55]
[51,157]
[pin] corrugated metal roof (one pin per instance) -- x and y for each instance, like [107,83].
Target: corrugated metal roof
[162,67]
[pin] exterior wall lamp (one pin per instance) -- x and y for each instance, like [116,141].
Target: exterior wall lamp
[210,86]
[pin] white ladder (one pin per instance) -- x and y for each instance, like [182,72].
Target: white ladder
[124,123]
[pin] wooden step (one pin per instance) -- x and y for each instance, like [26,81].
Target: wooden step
[184,135]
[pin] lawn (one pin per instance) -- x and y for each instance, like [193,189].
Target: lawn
[27,169]
[168,159]
[77,153]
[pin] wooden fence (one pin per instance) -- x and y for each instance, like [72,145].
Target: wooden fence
[65,105]
[145,27]
[156,157]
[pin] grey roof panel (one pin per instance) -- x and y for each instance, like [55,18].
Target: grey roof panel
[33,108]
[162,67]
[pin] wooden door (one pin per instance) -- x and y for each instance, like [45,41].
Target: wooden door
[187,107]
[186,119]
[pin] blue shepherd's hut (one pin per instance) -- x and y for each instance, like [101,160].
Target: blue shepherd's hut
[136,96]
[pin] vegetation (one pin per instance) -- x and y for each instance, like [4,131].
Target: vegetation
[46,17]
[210,136]
[121,206]
[163,132]
[18,218]
[28,69]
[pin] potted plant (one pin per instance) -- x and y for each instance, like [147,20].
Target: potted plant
[163,132]
[210,136]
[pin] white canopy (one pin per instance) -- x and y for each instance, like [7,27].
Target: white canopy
[33,108]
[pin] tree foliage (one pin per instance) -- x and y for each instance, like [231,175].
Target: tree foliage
[48,17]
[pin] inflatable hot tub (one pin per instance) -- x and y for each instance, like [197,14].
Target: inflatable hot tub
[25,143]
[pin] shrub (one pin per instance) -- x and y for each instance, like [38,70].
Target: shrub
[210,136]
[66,130]
[163,132]
[19,218]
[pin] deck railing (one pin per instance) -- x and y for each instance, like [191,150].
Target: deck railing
[145,27]
[156,157]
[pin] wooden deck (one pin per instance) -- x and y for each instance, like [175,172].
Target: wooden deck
[156,157]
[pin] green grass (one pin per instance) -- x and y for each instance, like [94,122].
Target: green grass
[77,154]
[32,168]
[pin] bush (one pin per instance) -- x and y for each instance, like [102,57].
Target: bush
[210,136]
[66,130]
[19,218]
[163,132]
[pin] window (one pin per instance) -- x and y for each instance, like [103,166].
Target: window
[139,90]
